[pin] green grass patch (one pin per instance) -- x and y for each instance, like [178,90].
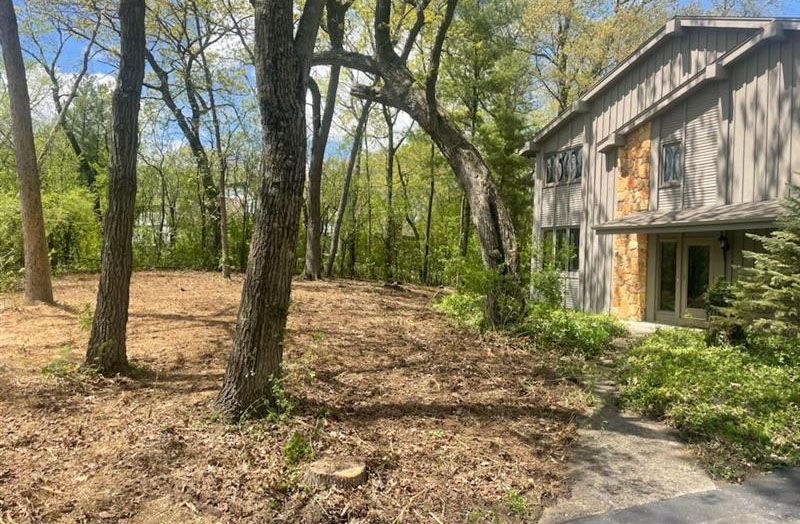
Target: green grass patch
[742,410]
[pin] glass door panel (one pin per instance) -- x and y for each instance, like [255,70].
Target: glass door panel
[668,276]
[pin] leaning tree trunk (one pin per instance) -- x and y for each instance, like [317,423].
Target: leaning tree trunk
[428,220]
[37,264]
[281,74]
[106,351]
[354,153]
[490,218]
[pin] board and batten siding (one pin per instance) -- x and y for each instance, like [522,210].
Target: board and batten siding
[764,122]
[701,161]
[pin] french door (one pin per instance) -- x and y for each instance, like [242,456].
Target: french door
[686,267]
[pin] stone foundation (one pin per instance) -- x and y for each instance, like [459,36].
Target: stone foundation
[629,281]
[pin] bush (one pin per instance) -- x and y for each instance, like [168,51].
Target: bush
[568,330]
[465,308]
[741,410]
[547,288]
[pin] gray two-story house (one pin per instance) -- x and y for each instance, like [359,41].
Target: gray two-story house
[655,174]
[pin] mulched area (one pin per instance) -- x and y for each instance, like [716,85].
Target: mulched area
[455,426]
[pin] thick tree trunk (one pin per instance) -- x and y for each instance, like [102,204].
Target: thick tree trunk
[354,152]
[281,74]
[37,264]
[106,351]
[428,219]
[313,260]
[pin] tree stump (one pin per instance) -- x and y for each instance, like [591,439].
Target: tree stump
[342,472]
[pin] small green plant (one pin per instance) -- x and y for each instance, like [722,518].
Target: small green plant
[571,331]
[297,449]
[516,503]
[547,288]
[61,365]
[85,315]
[466,308]
[480,516]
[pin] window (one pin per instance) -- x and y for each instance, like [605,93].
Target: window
[548,248]
[574,252]
[561,249]
[563,167]
[550,169]
[574,164]
[671,164]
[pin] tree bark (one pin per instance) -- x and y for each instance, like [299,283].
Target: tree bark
[354,152]
[426,254]
[107,343]
[37,264]
[282,64]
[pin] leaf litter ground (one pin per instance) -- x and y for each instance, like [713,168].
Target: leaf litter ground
[455,426]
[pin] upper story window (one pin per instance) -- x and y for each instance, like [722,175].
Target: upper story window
[563,167]
[671,164]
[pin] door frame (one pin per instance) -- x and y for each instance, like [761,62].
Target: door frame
[683,315]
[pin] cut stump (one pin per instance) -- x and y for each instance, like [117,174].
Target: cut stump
[342,472]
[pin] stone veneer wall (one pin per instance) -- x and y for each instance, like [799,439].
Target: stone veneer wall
[628,291]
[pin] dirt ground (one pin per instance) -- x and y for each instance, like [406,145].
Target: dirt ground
[454,426]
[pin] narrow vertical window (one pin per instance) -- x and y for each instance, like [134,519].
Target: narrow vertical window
[550,169]
[548,248]
[574,164]
[671,163]
[574,249]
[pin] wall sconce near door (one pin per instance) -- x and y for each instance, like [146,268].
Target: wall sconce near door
[724,244]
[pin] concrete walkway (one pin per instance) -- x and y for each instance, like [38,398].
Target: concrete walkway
[766,499]
[624,461]
[632,470]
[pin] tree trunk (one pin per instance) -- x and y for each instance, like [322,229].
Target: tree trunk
[463,240]
[281,75]
[354,152]
[368,182]
[426,254]
[313,261]
[37,264]
[106,351]
[388,240]
[490,218]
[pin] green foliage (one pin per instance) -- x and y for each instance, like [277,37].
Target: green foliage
[571,331]
[547,288]
[740,409]
[297,449]
[62,365]
[465,308]
[516,503]
[85,316]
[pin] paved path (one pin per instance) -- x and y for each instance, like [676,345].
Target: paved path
[632,470]
[624,461]
[766,499]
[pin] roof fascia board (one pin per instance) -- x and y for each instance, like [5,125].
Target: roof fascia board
[625,229]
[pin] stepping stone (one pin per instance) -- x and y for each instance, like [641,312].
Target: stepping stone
[342,472]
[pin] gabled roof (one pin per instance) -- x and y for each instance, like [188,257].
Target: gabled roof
[674,27]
